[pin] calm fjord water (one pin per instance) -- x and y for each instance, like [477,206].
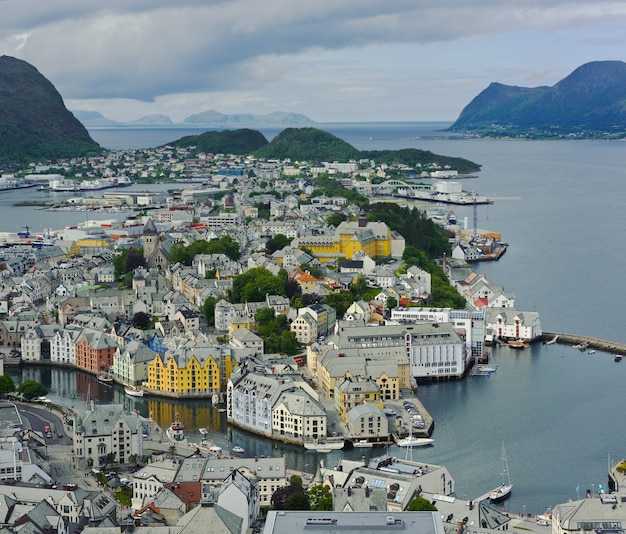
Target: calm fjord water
[560,412]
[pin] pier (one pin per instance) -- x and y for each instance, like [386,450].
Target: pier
[589,342]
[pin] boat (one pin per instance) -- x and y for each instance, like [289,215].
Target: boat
[591,351]
[412,441]
[582,346]
[237,449]
[518,344]
[215,399]
[203,431]
[132,391]
[105,379]
[321,444]
[362,444]
[215,449]
[503,490]
[176,431]
[617,357]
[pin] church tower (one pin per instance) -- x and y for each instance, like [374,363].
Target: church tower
[150,238]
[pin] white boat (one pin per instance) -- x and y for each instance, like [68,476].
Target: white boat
[105,379]
[503,490]
[203,431]
[324,444]
[215,399]
[132,391]
[176,431]
[591,351]
[362,444]
[412,441]
[238,449]
[215,449]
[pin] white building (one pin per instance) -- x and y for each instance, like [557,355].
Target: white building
[104,430]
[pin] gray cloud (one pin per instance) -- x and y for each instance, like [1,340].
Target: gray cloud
[144,49]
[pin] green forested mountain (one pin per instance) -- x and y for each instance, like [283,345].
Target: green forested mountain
[592,98]
[240,142]
[416,158]
[308,144]
[34,122]
[313,145]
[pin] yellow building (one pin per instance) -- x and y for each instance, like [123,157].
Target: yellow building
[191,371]
[355,390]
[373,238]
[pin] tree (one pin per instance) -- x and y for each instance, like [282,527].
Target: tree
[254,284]
[419,504]
[208,310]
[297,501]
[320,498]
[31,389]
[391,303]
[6,384]
[335,219]
[278,242]
[141,320]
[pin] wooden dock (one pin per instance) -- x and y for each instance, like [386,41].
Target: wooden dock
[590,342]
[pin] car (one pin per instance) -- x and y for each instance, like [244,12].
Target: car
[543,523]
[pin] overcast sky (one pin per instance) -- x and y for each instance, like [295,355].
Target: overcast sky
[332,60]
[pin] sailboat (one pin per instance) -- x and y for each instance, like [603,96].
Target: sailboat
[503,490]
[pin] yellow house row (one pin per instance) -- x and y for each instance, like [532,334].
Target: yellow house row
[191,371]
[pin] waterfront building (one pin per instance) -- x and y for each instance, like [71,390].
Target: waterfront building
[354,390]
[403,479]
[106,430]
[388,367]
[94,351]
[509,324]
[600,512]
[190,370]
[130,363]
[367,421]
[62,346]
[434,350]
[280,405]
[471,325]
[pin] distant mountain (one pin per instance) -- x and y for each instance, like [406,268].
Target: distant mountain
[152,120]
[277,118]
[34,122]
[93,118]
[591,99]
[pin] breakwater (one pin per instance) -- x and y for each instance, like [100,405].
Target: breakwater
[588,342]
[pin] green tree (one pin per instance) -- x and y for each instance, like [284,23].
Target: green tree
[320,498]
[208,310]
[278,242]
[295,480]
[419,504]
[184,254]
[335,219]
[254,284]
[297,501]
[391,303]
[141,320]
[31,389]
[6,384]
